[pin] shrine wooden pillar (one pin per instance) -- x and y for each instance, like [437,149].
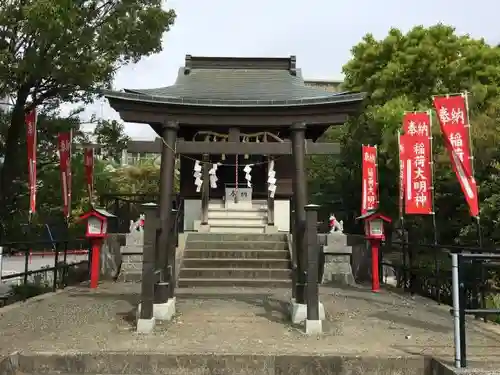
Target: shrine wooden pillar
[167,170]
[300,200]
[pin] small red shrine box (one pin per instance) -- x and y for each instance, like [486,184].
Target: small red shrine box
[97,222]
[374,225]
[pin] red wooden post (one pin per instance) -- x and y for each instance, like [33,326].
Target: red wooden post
[375,244]
[95,262]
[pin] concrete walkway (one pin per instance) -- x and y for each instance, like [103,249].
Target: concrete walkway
[240,321]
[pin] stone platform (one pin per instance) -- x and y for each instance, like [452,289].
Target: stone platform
[239,323]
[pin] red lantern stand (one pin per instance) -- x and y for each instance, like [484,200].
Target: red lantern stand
[96,231]
[374,233]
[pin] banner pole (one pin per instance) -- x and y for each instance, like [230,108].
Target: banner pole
[465,94]
[433,192]
[434,224]
[402,193]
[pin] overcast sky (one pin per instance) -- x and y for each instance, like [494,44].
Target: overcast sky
[319,32]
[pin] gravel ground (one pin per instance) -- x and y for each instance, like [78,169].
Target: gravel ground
[240,321]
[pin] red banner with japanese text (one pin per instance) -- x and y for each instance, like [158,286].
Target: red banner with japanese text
[64,146]
[417,163]
[30,120]
[454,123]
[369,190]
[89,171]
[417,158]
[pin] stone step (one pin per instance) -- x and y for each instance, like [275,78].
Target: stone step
[235,273]
[236,254]
[239,245]
[256,203]
[130,277]
[236,263]
[130,267]
[246,228]
[251,283]
[233,222]
[236,237]
[236,213]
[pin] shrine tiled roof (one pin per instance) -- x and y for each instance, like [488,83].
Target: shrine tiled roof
[238,82]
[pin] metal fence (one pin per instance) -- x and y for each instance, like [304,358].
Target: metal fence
[40,272]
[467,278]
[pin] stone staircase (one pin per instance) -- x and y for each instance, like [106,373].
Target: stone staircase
[131,268]
[248,217]
[235,259]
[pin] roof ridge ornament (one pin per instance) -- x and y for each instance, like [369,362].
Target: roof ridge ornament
[188,65]
[293,65]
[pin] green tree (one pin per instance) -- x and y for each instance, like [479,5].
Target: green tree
[111,136]
[400,73]
[58,51]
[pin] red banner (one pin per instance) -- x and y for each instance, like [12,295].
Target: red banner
[64,145]
[89,171]
[30,120]
[369,190]
[454,124]
[417,158]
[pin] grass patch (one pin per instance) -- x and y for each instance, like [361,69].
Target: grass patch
[493,302]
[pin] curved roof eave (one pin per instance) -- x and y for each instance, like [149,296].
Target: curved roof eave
[337,98]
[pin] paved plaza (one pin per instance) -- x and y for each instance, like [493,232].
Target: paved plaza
[229,321]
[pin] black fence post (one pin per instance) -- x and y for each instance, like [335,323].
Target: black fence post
[26,264]
[462,302]
[65,265]
[56,261]
[411,270]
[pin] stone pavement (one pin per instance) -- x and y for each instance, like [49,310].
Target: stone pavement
[240,321]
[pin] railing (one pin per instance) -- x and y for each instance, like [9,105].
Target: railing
[461,263]
[37,279]
[467,282]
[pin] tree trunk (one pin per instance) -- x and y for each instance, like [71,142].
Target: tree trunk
[10,168]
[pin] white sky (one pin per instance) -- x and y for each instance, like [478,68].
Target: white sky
[319,32]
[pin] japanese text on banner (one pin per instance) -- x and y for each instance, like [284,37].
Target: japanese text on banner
[89,171]
[453,121]
[369,190]
[417,163]
[30,120]
[417,175]
[64,145]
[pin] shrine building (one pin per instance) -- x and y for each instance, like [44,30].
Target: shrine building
[234,123]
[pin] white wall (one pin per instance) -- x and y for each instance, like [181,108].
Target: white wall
[282,215]
[192,212]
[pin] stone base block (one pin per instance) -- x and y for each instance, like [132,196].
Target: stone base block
[298,312]
[164,311]
[271,229]
[145,325]
[314,327]
[161,311]
[199,227]
[338,279]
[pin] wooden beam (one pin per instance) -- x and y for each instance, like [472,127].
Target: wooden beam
[234,148]
[252,148]
[322,148]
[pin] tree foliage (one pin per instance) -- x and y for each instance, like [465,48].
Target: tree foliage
[65,51]
[111,136]
[108,176]
[401,73]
